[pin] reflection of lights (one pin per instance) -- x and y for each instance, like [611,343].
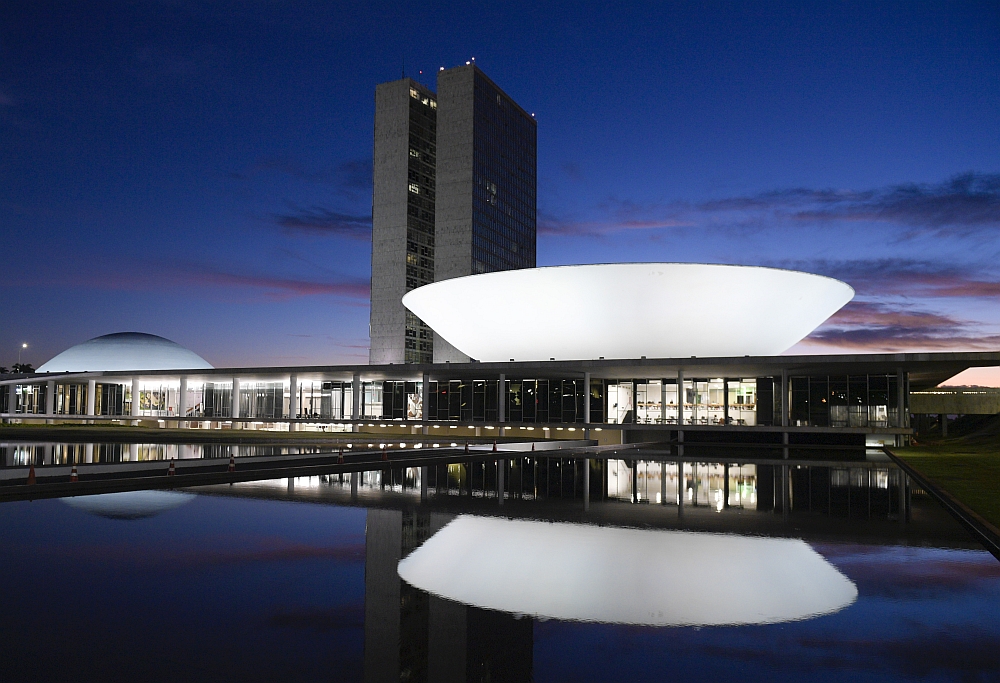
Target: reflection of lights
[453,445]
[437,445]
[402,444]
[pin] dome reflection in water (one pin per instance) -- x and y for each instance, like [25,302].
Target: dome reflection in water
[625,576]
[129,504]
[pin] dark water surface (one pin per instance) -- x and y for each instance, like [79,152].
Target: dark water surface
[297,581]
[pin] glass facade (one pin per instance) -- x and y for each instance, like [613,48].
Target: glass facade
[504,182]
[858,401]
[705,402]
[419,342]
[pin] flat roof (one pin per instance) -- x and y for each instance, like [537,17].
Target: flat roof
[925,370]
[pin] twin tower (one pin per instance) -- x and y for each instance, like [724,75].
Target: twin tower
[454,194]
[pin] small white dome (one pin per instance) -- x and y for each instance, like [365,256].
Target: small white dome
[126,351]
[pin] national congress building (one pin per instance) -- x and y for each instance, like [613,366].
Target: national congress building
[470,339]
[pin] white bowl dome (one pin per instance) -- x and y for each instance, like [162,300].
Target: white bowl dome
[628,310]
[577,572]
[126,351]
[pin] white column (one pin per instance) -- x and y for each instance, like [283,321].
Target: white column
[182,401]
[50,397]
[91,397]
[680,397]
[234,409]
[426,388]
[135,400]
[12,399]
[502,402]
[356,397]
[293,401]
[784,397]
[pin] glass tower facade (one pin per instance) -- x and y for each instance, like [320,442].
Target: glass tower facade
[504,182]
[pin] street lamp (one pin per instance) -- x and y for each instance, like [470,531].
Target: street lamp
[23,346]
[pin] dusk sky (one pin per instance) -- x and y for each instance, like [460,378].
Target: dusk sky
[202,170]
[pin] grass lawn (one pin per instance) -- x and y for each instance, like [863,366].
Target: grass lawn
[968,468]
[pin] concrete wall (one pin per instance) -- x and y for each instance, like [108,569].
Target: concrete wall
[453,211]
[955,402]
[389,203]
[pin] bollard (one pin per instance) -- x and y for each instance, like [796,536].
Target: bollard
[466,446]
[31,474]
[340,457]
[232,463]
[171,471]
[73,476]
[494,446]
[532,446]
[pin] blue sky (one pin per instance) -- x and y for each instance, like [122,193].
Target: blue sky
[202,171]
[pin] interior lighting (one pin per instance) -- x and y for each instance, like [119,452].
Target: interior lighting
[531,429]
[598,429]
[452,426]
[437,445]
[418,445]
[572,429]
[559,429]
[453,445]
[371,445]
[402,444]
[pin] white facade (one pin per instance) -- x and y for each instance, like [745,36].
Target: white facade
[628,310]
[125,351]
[625,576]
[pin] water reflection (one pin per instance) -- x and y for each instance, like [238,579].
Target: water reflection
[41,454]
[129,504]
[625,576]
[411,635]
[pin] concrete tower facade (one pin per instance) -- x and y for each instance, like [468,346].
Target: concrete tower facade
[403,200]
[454,194]
[486,202]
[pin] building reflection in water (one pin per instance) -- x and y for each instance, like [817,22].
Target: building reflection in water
[129,504]
[411,635]
[41,454]
[603,574]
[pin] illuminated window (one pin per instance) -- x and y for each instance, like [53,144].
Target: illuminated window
[414,153]
[414,188]
[414,94]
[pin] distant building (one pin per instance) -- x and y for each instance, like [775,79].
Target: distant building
[454,194]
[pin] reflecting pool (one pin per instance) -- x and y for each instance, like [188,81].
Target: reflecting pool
[426,574]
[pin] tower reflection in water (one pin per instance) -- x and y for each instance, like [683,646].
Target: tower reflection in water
[411,635]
